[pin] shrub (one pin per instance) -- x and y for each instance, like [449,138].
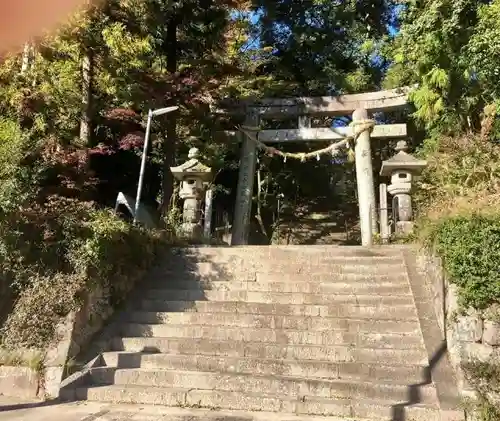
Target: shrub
[40,307]
[470,248]
[458,203]
[462,176]
[484,376]
[53,255]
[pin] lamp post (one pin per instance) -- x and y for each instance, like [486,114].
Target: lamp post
[194,177]
[151,114]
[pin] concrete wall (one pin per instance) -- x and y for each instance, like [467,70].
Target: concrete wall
[19,382]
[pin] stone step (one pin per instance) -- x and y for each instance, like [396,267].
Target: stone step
[278,251]
[278,336]
[287,267]
[396,374]
[360,274]
[312,324]
[262,350]
[325,261]
[351,310]
[348,409]
[167,277]
[273,385]
[278,297]
[258,297]
[359,288]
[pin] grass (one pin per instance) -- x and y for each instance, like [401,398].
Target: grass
[22,358]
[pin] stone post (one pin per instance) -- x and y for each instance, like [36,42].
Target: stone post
[384,217]
[364,181]
[208,213]
[304,122]
[244,193]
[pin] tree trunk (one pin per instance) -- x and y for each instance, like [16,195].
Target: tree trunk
[87,81]
[170,143]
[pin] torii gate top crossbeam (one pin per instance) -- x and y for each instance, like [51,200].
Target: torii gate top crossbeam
[323,133]
[320,106]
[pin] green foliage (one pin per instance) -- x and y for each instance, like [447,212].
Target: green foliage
[451,50]
[17,156]
[428,51]
[56,256]
[457,200]
[56,241]
[42,304]
[324,47]
[483,51]
[470,248]
[484,376]
[463,173]
[21,358]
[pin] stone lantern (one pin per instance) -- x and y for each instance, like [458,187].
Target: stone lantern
[194,178]
[402,168]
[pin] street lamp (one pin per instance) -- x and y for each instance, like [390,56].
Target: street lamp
[151,114]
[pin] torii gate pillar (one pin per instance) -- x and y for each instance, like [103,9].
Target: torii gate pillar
[244,192]
[364,181]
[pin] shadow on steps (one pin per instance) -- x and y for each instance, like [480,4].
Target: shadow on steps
[179,271]
[414,395]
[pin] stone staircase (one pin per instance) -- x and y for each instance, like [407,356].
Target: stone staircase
[301,330]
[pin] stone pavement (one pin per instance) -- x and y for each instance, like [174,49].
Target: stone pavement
[14,410]
[92,411]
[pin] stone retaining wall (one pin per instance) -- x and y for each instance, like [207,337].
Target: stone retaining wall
[471,335]
[19,382]
[74,334]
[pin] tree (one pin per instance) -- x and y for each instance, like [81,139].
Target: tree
[110,64]
[434,49]
[322,46]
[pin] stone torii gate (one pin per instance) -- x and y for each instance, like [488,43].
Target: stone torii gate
[361,106]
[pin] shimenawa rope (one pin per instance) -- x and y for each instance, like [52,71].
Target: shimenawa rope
[359,127]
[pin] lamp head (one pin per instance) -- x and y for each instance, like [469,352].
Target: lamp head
[165,110]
